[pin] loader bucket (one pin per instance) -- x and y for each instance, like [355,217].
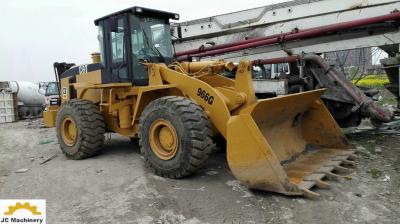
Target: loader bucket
[286,144]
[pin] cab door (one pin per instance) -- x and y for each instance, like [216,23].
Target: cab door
[117,48]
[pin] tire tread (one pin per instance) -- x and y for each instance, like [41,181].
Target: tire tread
[91,125]
[198,132]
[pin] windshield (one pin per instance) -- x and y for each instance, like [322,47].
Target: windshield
[151,38]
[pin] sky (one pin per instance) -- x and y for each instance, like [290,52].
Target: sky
[37,33]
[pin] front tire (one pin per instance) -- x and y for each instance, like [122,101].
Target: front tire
[175,136]
[80,129]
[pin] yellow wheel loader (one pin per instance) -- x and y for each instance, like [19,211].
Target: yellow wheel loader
[285,144]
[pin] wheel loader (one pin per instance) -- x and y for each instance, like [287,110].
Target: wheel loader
[286,144]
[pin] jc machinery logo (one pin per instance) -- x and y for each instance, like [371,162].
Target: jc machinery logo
[22,211]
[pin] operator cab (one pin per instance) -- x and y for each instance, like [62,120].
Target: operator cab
[131,37]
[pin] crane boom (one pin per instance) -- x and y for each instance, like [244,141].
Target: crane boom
[292,17]
[295,28]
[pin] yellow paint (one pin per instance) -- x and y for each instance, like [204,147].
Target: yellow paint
[93,77]
[49,116]
[69,131]
[65,90]
[164,140]
[125,117]
[276,130]
[261,134]
[19,206]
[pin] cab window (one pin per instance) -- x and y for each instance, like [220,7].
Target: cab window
[118,51]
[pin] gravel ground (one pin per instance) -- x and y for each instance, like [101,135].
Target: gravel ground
[115,187]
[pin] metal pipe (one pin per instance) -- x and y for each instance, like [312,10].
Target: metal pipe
[231,49]
[301,67]
[221,46]
[365,103]
[263,41]
[289,59]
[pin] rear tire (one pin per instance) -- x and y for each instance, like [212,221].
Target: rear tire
[80,129]
[183,140]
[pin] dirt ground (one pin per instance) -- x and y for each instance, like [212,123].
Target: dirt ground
[115,186]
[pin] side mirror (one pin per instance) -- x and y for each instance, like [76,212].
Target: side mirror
[113,22]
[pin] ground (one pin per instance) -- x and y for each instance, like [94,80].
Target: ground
[116,187]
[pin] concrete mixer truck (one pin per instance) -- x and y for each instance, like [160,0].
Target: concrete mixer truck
[31,99]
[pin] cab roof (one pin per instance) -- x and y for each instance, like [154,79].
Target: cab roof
[141,11]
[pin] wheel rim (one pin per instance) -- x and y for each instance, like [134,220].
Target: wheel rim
[69,131]
[163,139]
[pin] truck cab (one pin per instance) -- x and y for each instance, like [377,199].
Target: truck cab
[52,94]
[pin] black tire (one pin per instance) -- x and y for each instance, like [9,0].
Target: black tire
[220,144]
[193,132]
[90,129]
[134,141]
[39,113]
